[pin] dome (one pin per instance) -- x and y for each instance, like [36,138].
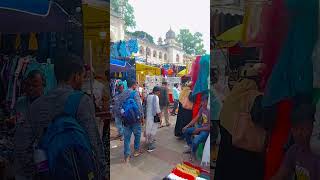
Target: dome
[170,34]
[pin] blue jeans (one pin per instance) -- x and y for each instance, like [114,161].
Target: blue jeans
[119,125]
[128,130]
[193,143]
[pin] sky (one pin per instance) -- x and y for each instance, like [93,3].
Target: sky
[156,16]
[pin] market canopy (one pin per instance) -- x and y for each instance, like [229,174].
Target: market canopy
[32,16]
[234,34]
[119,66]
[183,73]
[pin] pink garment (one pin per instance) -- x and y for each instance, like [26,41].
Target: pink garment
[195,70]
[276,29]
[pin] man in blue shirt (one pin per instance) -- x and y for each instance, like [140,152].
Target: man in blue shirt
[176,95]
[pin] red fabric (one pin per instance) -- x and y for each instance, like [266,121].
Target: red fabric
[279,138]
[183,175]
[276,28]
[195,70]
[196,105]
[235,50]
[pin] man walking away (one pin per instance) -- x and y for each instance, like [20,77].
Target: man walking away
[176,95]
[129,105]
[164,104]
[69,72]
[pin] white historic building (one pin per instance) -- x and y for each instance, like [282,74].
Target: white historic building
[167,51]
[117,27]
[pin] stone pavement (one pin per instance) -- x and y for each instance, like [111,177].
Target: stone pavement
[149,166]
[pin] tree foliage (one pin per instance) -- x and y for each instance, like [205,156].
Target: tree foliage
[142,35]
[191,43]
[125,9]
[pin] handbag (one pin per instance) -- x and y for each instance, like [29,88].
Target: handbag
[245,134]
[156,118]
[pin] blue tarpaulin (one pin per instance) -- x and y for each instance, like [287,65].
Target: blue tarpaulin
[18,16]
[38,7]
[119,65]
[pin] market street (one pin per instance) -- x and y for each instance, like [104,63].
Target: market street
[149,166]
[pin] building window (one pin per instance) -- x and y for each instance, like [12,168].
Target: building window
[141,51]
[154,53]
[165,57]
[148,52]
[160,55]
[177,58]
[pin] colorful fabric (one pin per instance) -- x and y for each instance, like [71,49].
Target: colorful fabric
[175,177]
[276,28]
[195,71]
[293,73]
[254,21]
[278,139]
[182,174]
[201,86]
[33,42]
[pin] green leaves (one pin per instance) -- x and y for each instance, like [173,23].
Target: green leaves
[126,11]
[192,44]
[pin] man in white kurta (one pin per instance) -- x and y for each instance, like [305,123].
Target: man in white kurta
[153,109]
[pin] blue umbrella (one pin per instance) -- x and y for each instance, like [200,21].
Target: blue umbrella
[32,16]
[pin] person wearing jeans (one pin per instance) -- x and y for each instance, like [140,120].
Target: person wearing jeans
[119,126]
[135,127]
[128,130]
[199,126]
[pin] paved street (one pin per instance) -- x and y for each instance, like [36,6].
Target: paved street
[148,166]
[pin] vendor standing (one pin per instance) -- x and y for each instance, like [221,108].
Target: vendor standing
[34,87]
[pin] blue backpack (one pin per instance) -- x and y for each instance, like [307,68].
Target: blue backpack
[131,114]
[67,146]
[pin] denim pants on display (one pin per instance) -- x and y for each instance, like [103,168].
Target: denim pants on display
[200,138]
[119,125]
[128,130]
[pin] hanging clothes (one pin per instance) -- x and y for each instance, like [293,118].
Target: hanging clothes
[292,74]
[276,28]
[195,71]
[278,139]
[201,86]
[33,42]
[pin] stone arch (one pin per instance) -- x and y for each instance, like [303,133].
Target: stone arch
[177,58]
[165,57]
[154,53]
[160,55]
[141,51]
[148,51]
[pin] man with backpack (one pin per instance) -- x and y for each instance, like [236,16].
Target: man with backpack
[66,140]
[129,107]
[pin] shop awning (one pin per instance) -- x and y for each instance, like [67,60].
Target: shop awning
[32,16]
[119,66]
[183,73]
[232,35]
[148,69]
